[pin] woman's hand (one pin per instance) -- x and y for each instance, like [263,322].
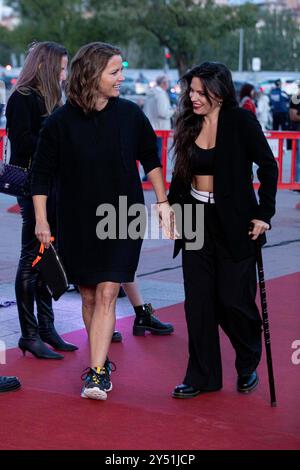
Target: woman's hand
[42,232]
[167,220]
[257,227]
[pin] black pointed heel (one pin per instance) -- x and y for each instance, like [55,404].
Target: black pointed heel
[50,336]
[38,349]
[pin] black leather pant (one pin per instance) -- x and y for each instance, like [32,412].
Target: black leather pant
[29,285]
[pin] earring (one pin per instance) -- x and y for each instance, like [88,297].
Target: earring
[220,102]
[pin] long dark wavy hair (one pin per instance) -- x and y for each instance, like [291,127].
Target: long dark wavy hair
[83,84]
[216,80]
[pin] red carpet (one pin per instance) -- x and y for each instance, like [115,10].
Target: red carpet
[48,413]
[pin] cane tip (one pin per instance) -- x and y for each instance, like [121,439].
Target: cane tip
[273,404]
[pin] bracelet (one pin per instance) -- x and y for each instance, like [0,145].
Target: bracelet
[162,202]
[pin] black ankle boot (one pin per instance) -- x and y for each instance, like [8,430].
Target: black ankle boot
[51,337]
[38,348]
[146,321]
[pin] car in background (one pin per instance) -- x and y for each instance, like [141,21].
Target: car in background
[128,86]
[10,76]
[141,84]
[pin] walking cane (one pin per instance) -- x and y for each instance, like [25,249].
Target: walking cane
[265,319]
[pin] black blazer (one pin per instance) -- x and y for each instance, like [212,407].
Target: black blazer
[240,142]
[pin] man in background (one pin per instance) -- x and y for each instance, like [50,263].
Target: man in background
[279,101]
[158,109]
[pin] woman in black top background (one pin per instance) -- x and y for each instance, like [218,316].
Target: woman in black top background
[216,143]
[36,95]
[91,145]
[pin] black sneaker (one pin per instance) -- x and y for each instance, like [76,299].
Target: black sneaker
[107,369]
[94,384]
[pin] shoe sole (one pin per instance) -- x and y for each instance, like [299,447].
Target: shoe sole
[94,394]
[110,388]
[183,396]
[10,389]
[142,331]
[180,395]
[250,389]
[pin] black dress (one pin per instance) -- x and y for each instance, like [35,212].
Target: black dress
[93,157]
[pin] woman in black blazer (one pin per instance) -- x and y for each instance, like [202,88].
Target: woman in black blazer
[216,144]
[36,95]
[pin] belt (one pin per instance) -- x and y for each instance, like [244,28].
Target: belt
[203,196]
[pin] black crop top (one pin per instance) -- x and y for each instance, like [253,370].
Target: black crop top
[202,161]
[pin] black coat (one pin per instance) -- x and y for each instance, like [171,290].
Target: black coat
[240,142]
[24,118]
[93,159]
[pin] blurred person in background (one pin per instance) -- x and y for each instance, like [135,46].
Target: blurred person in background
[157,105]
[247,94]
[279,101]
[36,95]
[158,109]
[263,110]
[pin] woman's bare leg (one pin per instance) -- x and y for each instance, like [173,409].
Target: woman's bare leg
[98,310]
[103,322]
[88,297]
[133,293]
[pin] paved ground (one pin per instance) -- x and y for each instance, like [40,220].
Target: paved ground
[159,275]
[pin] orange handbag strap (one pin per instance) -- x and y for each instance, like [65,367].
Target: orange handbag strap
[41,252]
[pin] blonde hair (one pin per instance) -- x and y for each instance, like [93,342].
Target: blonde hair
[41,72]
[83,84]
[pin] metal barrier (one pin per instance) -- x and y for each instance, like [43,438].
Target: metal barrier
[276,139]
[286,163]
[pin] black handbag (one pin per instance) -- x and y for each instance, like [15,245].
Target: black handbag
[14,180]
[52,270]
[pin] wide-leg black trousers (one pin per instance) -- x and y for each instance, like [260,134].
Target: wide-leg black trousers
[219,291]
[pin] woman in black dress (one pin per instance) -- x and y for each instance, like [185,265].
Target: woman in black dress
[216,143]
[36,95]
[91,145]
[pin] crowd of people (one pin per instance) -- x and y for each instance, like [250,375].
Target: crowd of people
[214,141]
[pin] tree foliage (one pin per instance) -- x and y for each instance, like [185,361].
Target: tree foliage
[193,30]
[179,25]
